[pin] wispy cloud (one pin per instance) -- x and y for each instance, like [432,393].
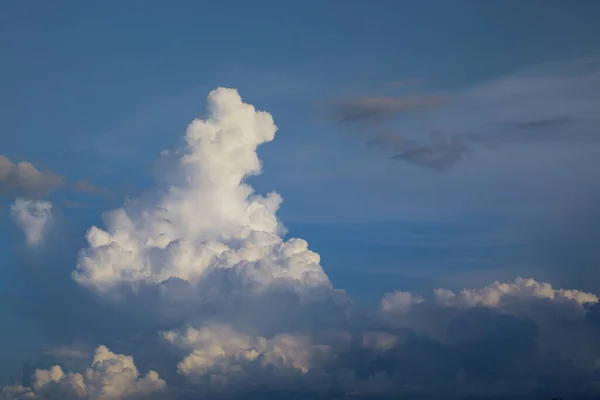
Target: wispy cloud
[77,350]
[549,122]
[376,109]
[437,155]
[540,105]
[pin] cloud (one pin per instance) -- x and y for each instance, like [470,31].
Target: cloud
[439,153]
[202,220]
[197,281]
[544,123]
[33,217]
[539,104]
[87,186]
[219,347]
[493,295]
[543,106]
[77,350]
[399,301]
[375,109]
[436,155]
[110,377]
[24,180]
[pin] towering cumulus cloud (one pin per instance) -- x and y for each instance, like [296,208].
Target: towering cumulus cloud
[202,217]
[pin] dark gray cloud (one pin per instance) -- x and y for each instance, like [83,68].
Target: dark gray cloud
[544,123]
[437,155]
[375,109]
[23,179]
[548,105]
[87,186]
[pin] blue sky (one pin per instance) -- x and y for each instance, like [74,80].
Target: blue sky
[93,91]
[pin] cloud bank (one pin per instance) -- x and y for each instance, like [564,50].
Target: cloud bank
[197,279]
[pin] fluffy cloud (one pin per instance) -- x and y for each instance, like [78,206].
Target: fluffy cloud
[202,219]
[33,217]
[493,295]
[110,377]
[220,346]
[498,295]
[399,301]
[23,179]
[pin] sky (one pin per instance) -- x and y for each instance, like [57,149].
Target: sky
[299,199]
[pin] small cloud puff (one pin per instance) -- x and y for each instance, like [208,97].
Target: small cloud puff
[492,296]
[110,377]
[33,217]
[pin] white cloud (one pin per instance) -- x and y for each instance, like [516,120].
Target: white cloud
[202,217]
[220,346]
[492,295]
[33,217]
[557,315]
[399,301]
[110,377]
